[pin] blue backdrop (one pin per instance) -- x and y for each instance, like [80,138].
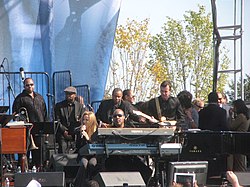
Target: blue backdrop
[56,35]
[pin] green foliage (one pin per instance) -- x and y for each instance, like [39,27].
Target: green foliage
[246,83]
[182,53]
[130,62]
[184,50]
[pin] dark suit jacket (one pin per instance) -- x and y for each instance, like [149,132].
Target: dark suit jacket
[213,117]
[62,116]
[171,109]
[107,107]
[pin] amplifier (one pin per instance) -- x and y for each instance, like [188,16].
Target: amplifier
[116,179]
[61,160]
[52,179]
[66,163]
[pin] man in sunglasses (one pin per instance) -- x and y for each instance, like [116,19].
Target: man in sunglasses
[32,101]
[118,119]
[222,101]
[125,162]
[34,107]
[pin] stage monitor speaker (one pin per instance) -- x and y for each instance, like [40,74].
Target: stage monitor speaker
[66,163]
[243,178]
[116,179]
[52,179]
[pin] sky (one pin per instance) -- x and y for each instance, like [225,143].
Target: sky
[157,10]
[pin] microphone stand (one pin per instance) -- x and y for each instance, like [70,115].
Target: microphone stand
[1,162]
[10,89]
[55,123]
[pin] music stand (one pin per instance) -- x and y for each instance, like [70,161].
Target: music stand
[5,118]
[41,128]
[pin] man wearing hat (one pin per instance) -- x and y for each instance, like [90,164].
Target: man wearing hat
[68,113]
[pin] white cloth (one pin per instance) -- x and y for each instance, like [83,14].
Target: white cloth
[34,183]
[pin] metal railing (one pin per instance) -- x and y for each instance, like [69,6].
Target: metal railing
[84,91]
[11,84]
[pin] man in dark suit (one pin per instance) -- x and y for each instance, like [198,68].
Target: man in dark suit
[213,117]
[166,107]
[34,108]
[107,107]
[68,113]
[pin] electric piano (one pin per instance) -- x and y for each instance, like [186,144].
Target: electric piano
[133,141]
[164,149]
[135,135]
[136,131]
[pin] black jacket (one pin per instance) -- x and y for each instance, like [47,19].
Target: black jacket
[36,107]
[171,109]
[67,121]
[213,117]
[107,107]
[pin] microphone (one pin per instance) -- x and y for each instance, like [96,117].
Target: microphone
[22,73]
[90,107]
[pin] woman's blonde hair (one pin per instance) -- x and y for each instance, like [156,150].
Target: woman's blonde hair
[91,124]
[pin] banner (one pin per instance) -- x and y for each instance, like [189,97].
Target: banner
[58,35]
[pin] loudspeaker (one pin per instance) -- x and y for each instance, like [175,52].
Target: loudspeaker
[243,178]
[66,163]
[115,179]
[52,179]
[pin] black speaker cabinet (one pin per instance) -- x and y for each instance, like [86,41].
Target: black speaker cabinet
[116,179]
[66,163]
[52,179]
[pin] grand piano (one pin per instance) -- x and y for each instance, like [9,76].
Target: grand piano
[205,143]
[191,144]
[214,147]
[166,144]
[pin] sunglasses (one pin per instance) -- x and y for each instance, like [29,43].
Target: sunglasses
[29,85]
[117,115]
[199,106]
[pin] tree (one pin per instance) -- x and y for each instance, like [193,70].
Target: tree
[129,67]
[183,50]
[246,89]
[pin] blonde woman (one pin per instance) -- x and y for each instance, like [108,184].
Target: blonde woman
[88,123]
[88,164]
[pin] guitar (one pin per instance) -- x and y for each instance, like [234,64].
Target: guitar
[162,123]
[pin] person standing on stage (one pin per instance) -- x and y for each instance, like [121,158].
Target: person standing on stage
[68,113]
[222,101]
[107,107]
[191,114]
[198,104]
[34,104]
[166,107]
[213,117]
[128,95]
[239,121]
